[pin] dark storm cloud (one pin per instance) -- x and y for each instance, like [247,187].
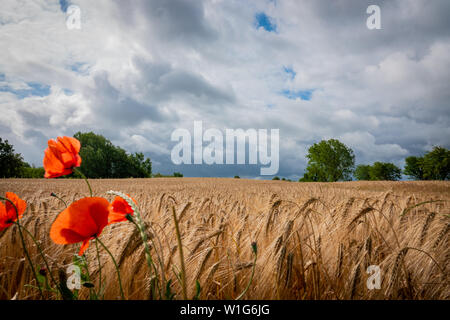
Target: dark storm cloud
[155,65]
[405,24]
[170,19]
[120,109]
[35,120]
[162,82]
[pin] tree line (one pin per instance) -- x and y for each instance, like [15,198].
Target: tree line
[328,161]
[100,159]
[331,160]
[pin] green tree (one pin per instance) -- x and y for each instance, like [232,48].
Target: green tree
[414,167]
[11,163]
[140,167]
[31,172]
[362,172]
[329,161]
[101,159]
[434,165]
[276,178]
[385,171]
[311,176]
[378,171]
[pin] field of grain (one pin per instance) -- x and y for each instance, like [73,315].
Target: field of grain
[314,240]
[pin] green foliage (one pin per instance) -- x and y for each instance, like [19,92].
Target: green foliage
[175,175]
[362,172]
[414,167]
[329,161]
[434,165]
[378,171]
[11,163]
[198,290]
[276,178]
[139,166]
[31,172]
[385,171]
[169,295]
[101,159]
[237,177]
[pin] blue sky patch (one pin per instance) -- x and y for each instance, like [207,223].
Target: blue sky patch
[64,4]
[290,71]
[80,67]
[34,89]
[68,92]
[264,21]
[302,94]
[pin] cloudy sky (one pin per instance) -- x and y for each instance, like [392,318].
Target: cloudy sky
[137,70]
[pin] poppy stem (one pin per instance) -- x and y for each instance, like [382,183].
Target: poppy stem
[92,293]
[115,264]
[59,198]
[85,179]
[99,267]
[24,246]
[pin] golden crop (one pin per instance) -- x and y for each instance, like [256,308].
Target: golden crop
[314,240]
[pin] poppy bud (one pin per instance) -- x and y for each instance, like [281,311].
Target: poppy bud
[43,271]
[254,247]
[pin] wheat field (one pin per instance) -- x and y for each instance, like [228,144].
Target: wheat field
[314,240]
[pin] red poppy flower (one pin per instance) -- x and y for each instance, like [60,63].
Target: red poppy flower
[61,156]
[8,214]
[82,221]
[119,209]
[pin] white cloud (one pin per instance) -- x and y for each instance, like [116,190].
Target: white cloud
[138,71]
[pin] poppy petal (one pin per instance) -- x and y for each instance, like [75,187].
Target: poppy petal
[87,217]
[53,166]
[2,210]
[83,247]
[70,236]
[99,213]
[3,216]
[77,161]
[61,156]
[120,205]
[20,204]
[115,217]
[73,144]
